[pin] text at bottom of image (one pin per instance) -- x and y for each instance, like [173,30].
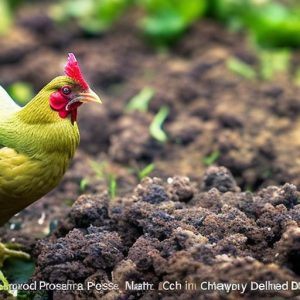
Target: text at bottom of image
[162,286]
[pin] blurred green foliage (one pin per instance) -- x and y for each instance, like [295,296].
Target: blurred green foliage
[93,15]
[273,61]
[7,8]
[241,68]
[166,20]
[271,23]
[4,284]
[270,63]
[6,17]
[21,92]
[140,102]
[18,270]
[297,77]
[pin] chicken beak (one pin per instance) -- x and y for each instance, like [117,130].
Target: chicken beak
[89,97]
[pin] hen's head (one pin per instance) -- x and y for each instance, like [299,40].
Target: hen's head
[68,92]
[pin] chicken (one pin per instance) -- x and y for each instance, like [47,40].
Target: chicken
[38,141]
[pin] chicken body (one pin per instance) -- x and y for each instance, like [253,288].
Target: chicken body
[33,156]
[25,178]
[38,141]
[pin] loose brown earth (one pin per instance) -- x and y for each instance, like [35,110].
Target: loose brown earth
[197,228]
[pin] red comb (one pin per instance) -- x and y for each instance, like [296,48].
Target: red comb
[72,70]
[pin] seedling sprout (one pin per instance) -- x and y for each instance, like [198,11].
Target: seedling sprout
[211,158]
[140,102]
[146,171]
[156,130]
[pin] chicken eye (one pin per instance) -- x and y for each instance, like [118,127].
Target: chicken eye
[66,90]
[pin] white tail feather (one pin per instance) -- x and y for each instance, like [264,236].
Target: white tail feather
[7,104]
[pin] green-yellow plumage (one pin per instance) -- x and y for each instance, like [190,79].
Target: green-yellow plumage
[36,146]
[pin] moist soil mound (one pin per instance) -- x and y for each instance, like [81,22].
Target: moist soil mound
[177,231]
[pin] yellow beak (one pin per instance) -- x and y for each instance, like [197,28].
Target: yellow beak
[89,97]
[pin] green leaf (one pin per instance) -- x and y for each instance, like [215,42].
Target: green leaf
[83,184]
[163,27]
[237,66]
[166,20]
[141,101]
[272,62]
[270,23]
[211,158]
[155,129]
[16,271]
[146,171]
[6,18]
[67,9]
[21,92]
[10,251]
[110,178]
[93,16]
[99,168]
[5,284]
[297,77]
[112,186]
[108,11]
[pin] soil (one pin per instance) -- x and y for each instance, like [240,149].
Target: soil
[235,221]
[177,231]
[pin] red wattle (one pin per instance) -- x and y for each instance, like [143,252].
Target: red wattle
[58,102]
[63,113]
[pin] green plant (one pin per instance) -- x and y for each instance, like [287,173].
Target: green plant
[83,185]
[9,251]
[166,20]
[270,62]
[297,77]
[112,186]
[146,171]
[6,17]
[103,172]
[155,128]
[228,11]
[273,61]
[211,158]
[270,23]
[21,92]
[92,15]
[237,66]
[18,267]
[98,168]
[7,8]
[19,270]
[140,102]
[5,284]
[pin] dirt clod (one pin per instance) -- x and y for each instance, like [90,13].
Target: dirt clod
[192,242]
